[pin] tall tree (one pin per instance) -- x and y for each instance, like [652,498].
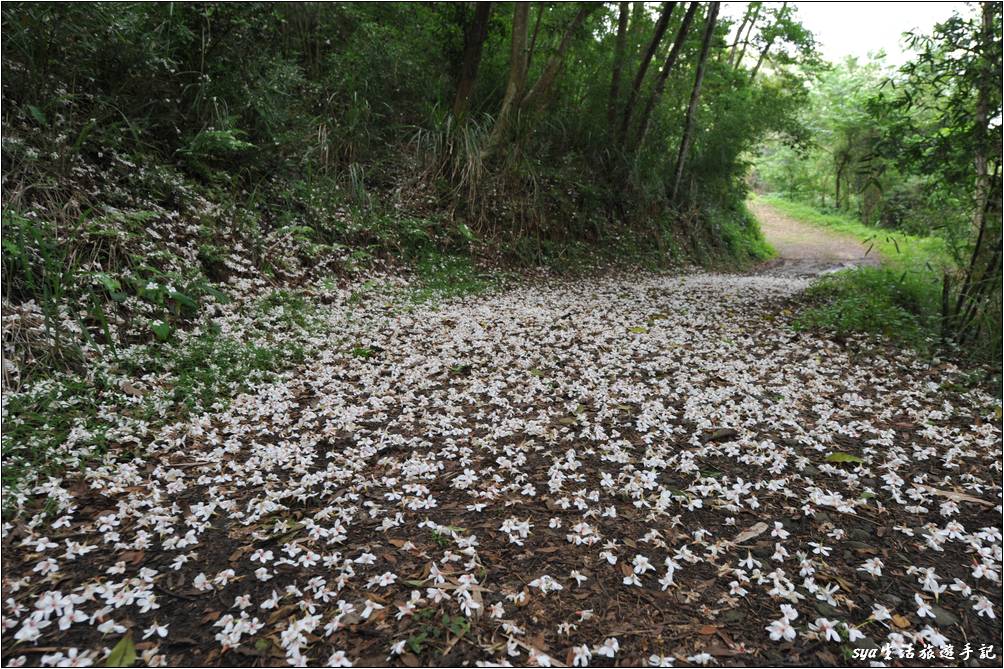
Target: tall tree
[695,96]
[660,84]
[976,282]
[734,59]
[516,81]
[537,95]
[751,10]
[618,64]
[660,29]
[517,101]
[771,36]
[475,33]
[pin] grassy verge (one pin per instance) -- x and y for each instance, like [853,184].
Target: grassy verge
[898,250]
[899,300]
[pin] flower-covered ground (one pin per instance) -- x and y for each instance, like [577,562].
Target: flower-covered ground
[628,470]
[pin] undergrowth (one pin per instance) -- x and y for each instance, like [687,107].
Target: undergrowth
[901,300]
[876,300]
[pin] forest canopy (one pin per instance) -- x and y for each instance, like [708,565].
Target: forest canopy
[547,122]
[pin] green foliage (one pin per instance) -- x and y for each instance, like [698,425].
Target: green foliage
[842,457]
[903,299]
[916,150]
[441,276]
[882,301]
[123,654]
[899,250]
[741,236]
[312,109]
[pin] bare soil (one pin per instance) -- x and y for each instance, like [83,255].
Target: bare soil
[805,250]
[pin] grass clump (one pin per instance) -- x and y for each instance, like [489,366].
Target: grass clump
[899,305]
[445,276]
[900,300]
[741,235]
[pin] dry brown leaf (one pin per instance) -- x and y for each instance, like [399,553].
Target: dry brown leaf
[133,557]
[750,533]
[130,389]
[955,496]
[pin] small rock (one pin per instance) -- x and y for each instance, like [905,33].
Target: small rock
[722,434]
[944,618]
[733,616]
[866,642]
[827,610]
[890,599]
[859,545]
[859,534]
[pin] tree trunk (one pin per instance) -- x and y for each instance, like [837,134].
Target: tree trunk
[660,84]
[517,75]
[618,66]
[770,43]
[537,95]
[739,33]
[840,175]
[653,45]
[749,31]
[533,37]
[695,96]
[475,34]
[981,162]
[634,38]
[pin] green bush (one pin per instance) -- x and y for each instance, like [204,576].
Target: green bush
[899,305]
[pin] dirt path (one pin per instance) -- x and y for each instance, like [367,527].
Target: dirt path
[805,250]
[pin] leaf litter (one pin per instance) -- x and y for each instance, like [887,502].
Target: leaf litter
[712,488]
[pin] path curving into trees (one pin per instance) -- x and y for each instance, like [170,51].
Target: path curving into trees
[806,250]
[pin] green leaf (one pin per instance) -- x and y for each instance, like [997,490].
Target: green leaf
[638,330]
[162,330]
[37,114]
[123,654]
[415,642]
[110,283]
[181,298]
[842,457]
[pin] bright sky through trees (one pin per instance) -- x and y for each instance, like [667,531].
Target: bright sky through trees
[857,28]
